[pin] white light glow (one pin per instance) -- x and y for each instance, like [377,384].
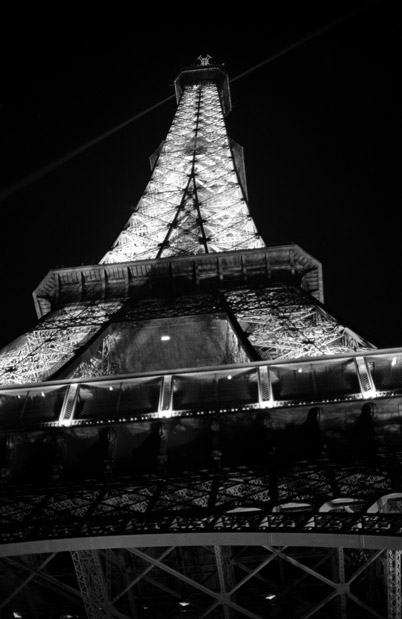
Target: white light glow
[66,423]
[165,338]
[393,362]
[371,393]
[270,596]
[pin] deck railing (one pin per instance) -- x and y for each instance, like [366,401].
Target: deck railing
[198,391]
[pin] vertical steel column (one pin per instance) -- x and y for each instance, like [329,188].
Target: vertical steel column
[221,575]
[341,580]
[394,588]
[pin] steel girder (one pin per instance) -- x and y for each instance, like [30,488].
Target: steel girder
[394,580]
[202,581]
[300,503]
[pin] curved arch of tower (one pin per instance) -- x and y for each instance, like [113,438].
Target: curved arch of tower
[187,429]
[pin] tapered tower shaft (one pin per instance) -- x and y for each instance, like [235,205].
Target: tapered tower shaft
[195,201]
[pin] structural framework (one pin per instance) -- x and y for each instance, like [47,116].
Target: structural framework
[187,430]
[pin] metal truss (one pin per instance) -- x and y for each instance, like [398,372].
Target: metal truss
[240,500]
[92,583]
[286,323]
[214,582]
[36,355]
[394,579]
[281,322]
[194,202]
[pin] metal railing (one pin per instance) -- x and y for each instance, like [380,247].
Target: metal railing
[256,385]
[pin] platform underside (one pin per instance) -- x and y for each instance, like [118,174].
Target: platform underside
[239,541]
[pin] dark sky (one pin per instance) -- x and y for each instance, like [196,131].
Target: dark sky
[320,126]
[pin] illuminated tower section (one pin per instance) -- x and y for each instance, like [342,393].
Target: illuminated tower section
[190,232]
[195,201]
[189,406]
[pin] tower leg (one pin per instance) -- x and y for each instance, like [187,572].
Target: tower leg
[394,589]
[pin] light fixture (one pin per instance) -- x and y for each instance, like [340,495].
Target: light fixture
[165,338]
[270,596]
[370,393]
[17,615]
[393,362]
[183,603]
[300,370]
[230,377]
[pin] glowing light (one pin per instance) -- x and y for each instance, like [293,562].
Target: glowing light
[42,394]
[165,338]
[370,393]
[111,389]
[270,596]
[393,362]
[17,615]
[230,377]
[66,423]
[183,603]
[300,370]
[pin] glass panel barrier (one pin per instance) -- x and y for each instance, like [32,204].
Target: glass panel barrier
[104,401]
[224,389]
[386,371]
[36,405]
[321,380]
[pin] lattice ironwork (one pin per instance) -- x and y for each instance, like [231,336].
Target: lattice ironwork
[36,355]
[286,323]
[194,202]
[266,581]
[237,500]
[394,579]
[92,584]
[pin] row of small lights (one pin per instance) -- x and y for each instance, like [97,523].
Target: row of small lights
[370,393]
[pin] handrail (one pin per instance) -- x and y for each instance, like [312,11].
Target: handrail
[228,388]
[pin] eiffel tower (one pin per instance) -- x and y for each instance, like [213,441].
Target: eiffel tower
[187,430]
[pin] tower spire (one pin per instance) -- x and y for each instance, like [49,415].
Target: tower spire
[195,201]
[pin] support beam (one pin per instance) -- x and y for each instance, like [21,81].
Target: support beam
[92,583]
[394,585]
[218,596]
[220,568]
[33,575]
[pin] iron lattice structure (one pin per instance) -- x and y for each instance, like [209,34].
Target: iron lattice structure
[187,429]
[194,202]
[52,342]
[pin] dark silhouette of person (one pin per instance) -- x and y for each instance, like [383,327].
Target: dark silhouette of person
[312,442]
[363,434]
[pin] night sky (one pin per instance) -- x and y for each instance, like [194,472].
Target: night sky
[320,126]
